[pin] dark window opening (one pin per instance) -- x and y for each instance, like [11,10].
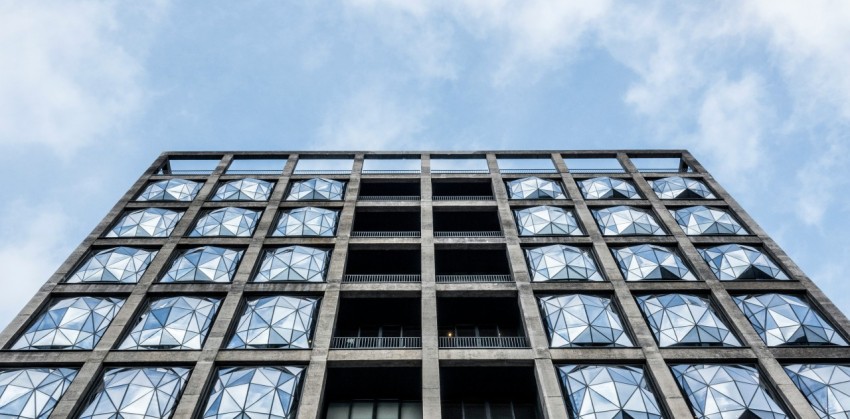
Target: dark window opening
[449,221]
[373,221]
[460,189]
[489,393]
[383,261]
[388,190]
[378,323]
[471,262]
[374,393]
[479,323]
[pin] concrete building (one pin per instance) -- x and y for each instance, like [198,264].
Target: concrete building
[487,284]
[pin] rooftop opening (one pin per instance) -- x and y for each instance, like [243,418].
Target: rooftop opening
[526,165]
[459,165]
[389,191]
[479,323]
[256,166]
[466,190]
[383,265]
[188,166]
[328,166]
[660,164]
[489,393]
[593,165]
[405,222]
[374,393]
[450,222]
[472,265]
[378,323]
[377,165]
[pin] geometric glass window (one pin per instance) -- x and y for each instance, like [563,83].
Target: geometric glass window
[737,261]
[704,221]
[316,189]
[247,189]
[148,222]
[307,221]
[116,264]
[607,188]
[827,387]
[685,320]
[559,262]
[173,323]
[254,392]
[204,264]
[227,222]
[32,393]
[546,221]
[676,187]
[70,323]
[170,190]
[626,221]
[293,263]
[136,392]
[726,391]
[783,320]
[608,391]
[534,188]
[651,262]
[575,320]
[279,321]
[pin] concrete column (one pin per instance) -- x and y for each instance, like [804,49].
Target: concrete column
[431,404]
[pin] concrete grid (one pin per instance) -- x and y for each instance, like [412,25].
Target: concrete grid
[656,361]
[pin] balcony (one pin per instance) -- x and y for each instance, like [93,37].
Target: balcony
[373,393]
[489,392]
[389,191]
[457,265]
[451,222]
[324,166]
[376,343]
[370,265]
[378,323]
[404,223]
[466,190]
[483,342]
[479,323]
[474,165]
[391,166]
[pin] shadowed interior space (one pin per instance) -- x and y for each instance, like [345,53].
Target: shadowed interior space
[389,189]
[405,220]
[468,220]
[374,393]
[489,393]
[465,188]
[471,262]
[383,262]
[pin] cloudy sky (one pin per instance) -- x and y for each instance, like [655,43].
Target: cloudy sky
[92,92]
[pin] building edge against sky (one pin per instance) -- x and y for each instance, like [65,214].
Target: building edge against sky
[446,283]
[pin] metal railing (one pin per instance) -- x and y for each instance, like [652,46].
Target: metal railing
[483,342]
[392,171]
[468,234]
[520,171]
[473,278]
[413,234]
[381,278]
[596,171]
[185,172]
[463,198]
[372,342]
[462,171]
[664,170]
[254,172]
[388,198]
[321,172]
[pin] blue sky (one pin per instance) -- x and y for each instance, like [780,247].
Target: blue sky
[92,92]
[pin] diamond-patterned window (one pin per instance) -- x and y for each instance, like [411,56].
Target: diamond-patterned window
[307,221]
[280,321]
[116,264]
[726,391]
[547,221]
[248,189]
[173,323]
[608,391]
[255,392]
[227,222]
[293,263]
[70,323]
[607,188]
[32,393]
[627,221]
[535,188]
[677,187]
[148,222]
[204,264]
[827,387]
[737,261]
[170,190]
[685,320]
[136,392]
[576,320]
[782,319]
[316,189]
[650,262]
[561,262]
[706,221]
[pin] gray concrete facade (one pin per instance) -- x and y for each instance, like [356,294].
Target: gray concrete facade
[538,356]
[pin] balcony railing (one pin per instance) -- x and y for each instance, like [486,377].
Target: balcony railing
[413,234]
[473,278]
[391,171]
[609,170]
[522,171]
[254,172]
[185,172]
[381,278]
[461,171]
[388,197]
[463,198]
[483,342]
[468,234]
[374,343]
